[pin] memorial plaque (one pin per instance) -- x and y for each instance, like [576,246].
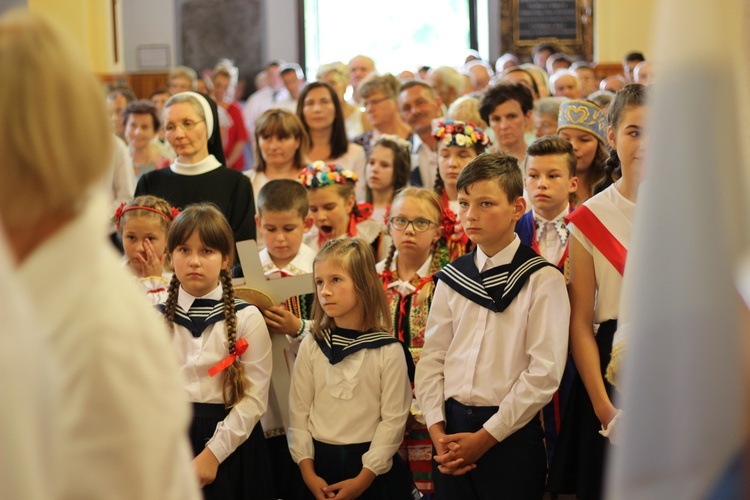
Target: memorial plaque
[547,19]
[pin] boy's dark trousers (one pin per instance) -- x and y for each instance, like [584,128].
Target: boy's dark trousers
[515,468]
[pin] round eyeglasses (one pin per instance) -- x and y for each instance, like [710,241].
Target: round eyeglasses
[401,223]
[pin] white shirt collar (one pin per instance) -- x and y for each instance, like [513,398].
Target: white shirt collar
[300,264]
[559,216]
[205,165]
[185,300]
[501,258]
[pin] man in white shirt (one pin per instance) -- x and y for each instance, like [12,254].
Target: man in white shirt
[294,81]
[419,106]
[495,346]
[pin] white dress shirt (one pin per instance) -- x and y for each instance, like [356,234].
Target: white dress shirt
[122,424]
[197,355]
[513,359]
[363,398]
[551,246]
[425,159]
[404,287]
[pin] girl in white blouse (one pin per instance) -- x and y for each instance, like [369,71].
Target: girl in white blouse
[350,393]
[224,351]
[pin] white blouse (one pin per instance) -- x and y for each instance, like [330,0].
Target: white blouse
[616,212]
[363,398]
[197,355]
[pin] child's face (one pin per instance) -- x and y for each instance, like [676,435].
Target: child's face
[282,233]
[584,146]
[451,160]
[630,142]
[197,266]
[137,230]
[509,123]
[380,169]
[330,211]
[409,241]
[337,294]
[549,184]
[487,216]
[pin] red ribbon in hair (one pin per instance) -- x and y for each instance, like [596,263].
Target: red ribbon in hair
[365,211]
[239,349]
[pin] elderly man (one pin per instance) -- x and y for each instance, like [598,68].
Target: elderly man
[419,106]
[448,84]
[360,67]
[565,83]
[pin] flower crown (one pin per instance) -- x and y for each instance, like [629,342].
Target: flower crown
[461,134]
[398,141]
[174,212]
[321,174]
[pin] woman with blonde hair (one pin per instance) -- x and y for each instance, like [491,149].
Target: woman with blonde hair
[119,395]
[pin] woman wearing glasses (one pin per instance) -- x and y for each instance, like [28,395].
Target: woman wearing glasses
[199,173]
[379,93]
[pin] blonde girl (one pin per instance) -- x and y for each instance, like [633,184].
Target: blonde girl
[330,191]
[350,394]
[600,231]
[143,224]
[224,350]
[457,144]
[417,253]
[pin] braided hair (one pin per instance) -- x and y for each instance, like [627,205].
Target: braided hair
[215,232]
[632,95]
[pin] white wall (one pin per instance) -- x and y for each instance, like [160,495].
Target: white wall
[281,30]
[147,22]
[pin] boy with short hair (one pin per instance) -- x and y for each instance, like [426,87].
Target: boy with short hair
[282,221]
[550,182]
[495,348]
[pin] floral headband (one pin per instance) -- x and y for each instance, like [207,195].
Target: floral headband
[321,174]
[398,141]
[122,210]
[461,134]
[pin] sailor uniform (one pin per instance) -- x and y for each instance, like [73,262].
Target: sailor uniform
[496,342]
[349,401]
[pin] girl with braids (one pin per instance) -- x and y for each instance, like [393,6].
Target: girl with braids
[143,224]
[600,231]
[457,144]
[224,350]
[583,124]
[350,395]
[330,191]
[417,253]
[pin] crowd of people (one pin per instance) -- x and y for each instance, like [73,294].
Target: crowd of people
[465,230]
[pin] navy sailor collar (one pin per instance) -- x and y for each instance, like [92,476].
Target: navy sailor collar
[495,288]
[339,343]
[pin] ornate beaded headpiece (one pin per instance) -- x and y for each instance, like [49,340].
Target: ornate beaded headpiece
[583,115]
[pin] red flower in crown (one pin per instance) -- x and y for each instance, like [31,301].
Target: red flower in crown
[448,222]
[118,214]
[175,212]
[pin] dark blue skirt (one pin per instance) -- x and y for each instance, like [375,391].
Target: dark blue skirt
[581,452]
[245,474]
[336,463]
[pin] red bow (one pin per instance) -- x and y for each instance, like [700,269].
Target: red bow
[239,349]
[365,212]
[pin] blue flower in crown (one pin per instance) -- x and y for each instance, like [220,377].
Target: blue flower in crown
[583,115]
[320,173]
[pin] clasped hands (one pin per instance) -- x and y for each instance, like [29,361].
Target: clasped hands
[457,454]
